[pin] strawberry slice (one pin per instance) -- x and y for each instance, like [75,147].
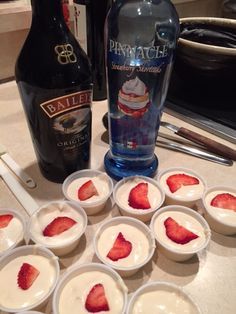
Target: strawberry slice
[26,276]
[5,219]
[138,196]
[96,300]
[224,200]
[178,233]
[120,249]
[87,190]
[58,225]
[176,181]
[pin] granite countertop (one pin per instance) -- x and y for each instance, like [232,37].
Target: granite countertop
[209,277]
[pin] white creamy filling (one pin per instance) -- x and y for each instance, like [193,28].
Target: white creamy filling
[221,214]
[185,193]
[185,221]
[13,297]
[46,215]
[162,302]
[134,86]
[122,194]
[11,234]
[139,241]
[75,292]
[101,183]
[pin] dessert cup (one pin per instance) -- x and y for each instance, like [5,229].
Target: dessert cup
[186,195]
[102,182]
[134,231]
[161,295]
[73,288]
[13,234]
[14,298]
[121,195]
[220,220]
[30,312]
[187,218]
[66,241]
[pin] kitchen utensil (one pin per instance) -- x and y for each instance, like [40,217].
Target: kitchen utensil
[20,193]
[210,144]
[21,174]
[194,151]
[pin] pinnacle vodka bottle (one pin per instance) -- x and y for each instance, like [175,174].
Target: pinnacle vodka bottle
[141,37]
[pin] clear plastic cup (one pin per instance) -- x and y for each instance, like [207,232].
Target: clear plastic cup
[65,242]
[186,195]
[40,290]
[15,233]
[76,277]
[133,230]
[103,183]
[187,218]
[121,194]
[166,295]
[220,220]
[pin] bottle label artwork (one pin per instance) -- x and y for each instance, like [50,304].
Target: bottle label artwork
[59,105]
[65,54]
[138,78]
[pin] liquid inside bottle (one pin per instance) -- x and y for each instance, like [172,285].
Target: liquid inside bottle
[140,43]
[54,78]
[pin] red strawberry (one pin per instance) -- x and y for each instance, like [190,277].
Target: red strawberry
[120,249]
[176,181]
[5,219]
[87,190]
[26,276]
[58,225]
[138,197]
[96,300]
[224,200]
[177,233]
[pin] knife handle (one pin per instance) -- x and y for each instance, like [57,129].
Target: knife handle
[210,144]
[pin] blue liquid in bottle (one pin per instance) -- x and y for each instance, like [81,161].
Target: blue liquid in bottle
[141,38]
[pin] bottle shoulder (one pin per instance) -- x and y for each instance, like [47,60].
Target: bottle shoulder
[52,59]
[139,9]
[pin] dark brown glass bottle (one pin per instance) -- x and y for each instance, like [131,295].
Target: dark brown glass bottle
[89,20]
[54,78]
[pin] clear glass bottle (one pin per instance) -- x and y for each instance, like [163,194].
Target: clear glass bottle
[54,79]
[141,37]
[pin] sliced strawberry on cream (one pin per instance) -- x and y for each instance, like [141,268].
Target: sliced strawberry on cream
[178,233]
[5,220]
[138,197]
[224,200]
[96,300]
[176,181]
[58,225]
[120,249]
[87,190]
[27,276]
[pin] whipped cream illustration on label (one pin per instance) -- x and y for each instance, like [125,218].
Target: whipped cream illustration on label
[133,98]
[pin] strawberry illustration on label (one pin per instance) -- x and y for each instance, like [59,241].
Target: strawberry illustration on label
[27,276]
[224,200]
[138,197]
[176,181]
[87,190]
[178,233]
[96,300]
[5,220]
[58,225]
[120,249]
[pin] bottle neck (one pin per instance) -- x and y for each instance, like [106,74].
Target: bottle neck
[47,10]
